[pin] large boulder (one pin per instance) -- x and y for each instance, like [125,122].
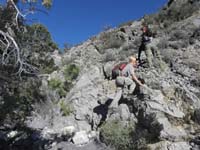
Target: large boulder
[107,68]
[169,131]
[156,101]
[80,138]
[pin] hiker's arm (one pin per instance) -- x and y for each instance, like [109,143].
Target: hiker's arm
[136,80]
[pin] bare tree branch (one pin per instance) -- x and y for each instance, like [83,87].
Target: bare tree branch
[14,54]
[18,13]
[11,55]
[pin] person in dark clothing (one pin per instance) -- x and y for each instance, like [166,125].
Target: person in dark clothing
[141,48]
[149,46]
[146,38]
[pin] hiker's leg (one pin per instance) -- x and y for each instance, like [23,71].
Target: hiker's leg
[157,53]
[120,81]
[149,54]
[153,51]
[132,88]
[131,84]
[116,99]
[141,48]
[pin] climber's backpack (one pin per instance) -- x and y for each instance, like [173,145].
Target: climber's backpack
[116,71]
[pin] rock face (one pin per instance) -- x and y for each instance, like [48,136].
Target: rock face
[166,145]
[164,114]
[80,138]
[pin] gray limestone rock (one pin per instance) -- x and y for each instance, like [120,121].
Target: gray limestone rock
[156,101]
[107,68]
[124,112]
[166,145]
[80,138]
[196,116]
[170,94]
[169,131]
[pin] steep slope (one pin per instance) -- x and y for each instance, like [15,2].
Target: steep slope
[79,96]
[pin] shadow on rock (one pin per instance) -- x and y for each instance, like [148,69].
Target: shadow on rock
[25,138]
[102,110]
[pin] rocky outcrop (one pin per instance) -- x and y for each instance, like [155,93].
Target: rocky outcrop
[164,114]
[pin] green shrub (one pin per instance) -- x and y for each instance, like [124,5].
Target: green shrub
[58,85]
[179,35]
[40,34]
[17,102]
[179,44]
[55,83]
[116,135]
[36,47]
[66,108]
[176,12]
[150,19]
[50,66]
[71,72]
[111,40]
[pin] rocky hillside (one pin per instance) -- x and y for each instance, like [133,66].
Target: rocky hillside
[74,106]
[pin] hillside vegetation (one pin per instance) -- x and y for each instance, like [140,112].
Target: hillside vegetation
[66,101]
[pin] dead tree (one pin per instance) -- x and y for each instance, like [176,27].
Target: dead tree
[11,52]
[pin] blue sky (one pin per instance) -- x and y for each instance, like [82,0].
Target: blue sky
[74,21]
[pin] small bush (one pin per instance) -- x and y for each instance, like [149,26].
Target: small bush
[178,12]
[56,84]
[39,33]
[71,72]
[66,108]
[179,35]
[179,44]
[173,13]
[150,19]
[116,135]
[50,66]
[111,40]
